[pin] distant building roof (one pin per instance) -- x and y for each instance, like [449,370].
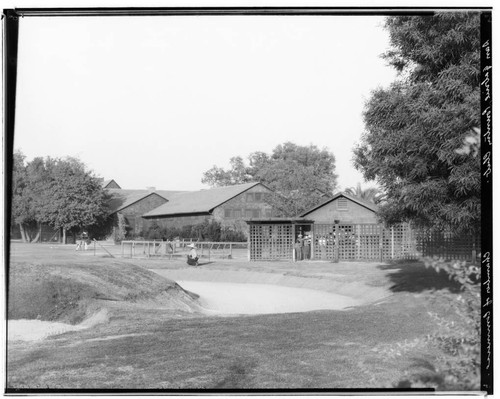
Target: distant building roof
[121,199]
[110,183]
[199,202]
[369,205]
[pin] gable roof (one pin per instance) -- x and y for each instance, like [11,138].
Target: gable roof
[369,205]
[202,201]
[106,183]
[121,199]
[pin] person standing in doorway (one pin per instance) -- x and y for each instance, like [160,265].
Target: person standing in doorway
[307,247]
[299,245]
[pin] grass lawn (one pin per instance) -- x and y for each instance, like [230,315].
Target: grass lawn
[153,340]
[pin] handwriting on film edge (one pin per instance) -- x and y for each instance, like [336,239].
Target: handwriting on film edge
[486,83]
[487,132]
[486,46]
[487,162]
[487,316]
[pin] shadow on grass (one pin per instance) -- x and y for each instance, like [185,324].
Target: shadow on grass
[415,277]
[202,264]
[237,375]
[421,374]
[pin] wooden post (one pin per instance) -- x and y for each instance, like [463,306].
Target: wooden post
[249,244]
[336,244]
[312,235]
[392,242]
[358,242]
[381,241]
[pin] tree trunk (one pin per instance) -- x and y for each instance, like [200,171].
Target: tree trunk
[38,234]
[64,236]
[23,233]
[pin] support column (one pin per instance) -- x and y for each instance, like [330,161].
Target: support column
[336,244]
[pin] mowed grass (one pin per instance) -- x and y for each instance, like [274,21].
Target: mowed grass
[145,346]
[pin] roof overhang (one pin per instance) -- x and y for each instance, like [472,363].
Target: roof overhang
[176,215]
[279,221]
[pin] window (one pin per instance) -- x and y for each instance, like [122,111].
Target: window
[250,197]
[258,197]
[256,213]
[342,204]
[269,213]
[237,213]
[228,213]
[248,213]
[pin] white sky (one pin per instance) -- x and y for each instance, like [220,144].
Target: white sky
[156,101]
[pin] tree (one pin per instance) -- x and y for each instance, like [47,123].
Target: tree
[237,174]
[368,194]
[23,211]
[293,172]
[415,127]
[58,192]
[77,198]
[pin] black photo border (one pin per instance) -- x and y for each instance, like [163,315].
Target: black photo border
[11,19]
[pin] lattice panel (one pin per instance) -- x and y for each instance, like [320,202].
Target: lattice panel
[446,245]
[271,242]
[324,241]
[369,241]
[346,242]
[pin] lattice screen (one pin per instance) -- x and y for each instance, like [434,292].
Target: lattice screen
[324,241]
[364,242]
[271,242]
[446,245]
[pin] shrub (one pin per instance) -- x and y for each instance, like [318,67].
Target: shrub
[459,337]
[205,231]
[121,231]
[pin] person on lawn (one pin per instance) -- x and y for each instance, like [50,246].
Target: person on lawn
[192,258]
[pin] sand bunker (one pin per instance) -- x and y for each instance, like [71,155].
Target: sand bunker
[35,330]
[234,298]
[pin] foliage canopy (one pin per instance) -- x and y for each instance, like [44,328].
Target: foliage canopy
[58,192]
[298,175]
[416,128]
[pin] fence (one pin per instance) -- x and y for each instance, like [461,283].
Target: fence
[359,242]
[175,249]
[271,242]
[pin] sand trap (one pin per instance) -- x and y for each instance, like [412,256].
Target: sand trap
[35,330]
[233,298]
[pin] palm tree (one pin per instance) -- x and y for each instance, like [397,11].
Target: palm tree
[370,194]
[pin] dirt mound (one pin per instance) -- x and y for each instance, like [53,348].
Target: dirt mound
[72,293]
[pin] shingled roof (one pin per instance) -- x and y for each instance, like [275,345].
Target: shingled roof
[198,202]
[369,205]
[121,199]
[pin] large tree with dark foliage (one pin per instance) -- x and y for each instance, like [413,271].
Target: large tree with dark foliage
[59,192]
[298,175]
[416,129]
